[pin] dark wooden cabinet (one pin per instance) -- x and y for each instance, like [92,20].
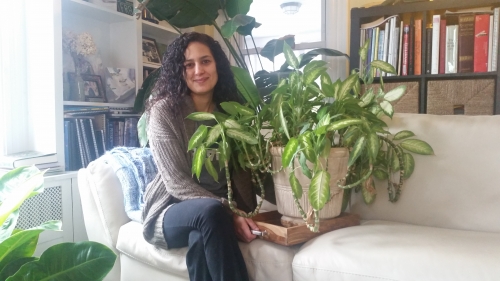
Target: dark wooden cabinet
[434,88]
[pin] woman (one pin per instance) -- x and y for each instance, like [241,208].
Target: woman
[180,211]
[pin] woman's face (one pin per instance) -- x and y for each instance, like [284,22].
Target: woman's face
[201,73]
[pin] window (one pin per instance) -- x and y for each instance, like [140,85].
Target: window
[307,25]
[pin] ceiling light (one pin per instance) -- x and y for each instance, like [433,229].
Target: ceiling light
[290,7]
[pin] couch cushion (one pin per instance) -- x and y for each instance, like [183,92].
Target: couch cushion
[265,261]
[455,188]
[381,250]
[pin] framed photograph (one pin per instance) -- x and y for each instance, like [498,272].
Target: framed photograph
[150,52]
[120,85]
[94,90]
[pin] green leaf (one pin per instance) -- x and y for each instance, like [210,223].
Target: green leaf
[84,261]
[384,66]
[283,122]
[417,146]
[367,98]
[241,136]
[319,190]
[395,94]
[211,169]
[309,56]
[373,145]
[198,159]
[23,243]
[12,267]
[409,165]
[186,13]
[347,86]
[230,107]
[246,86]
[380,174]
[305,170]
[235,7]
[290,57]
[200,116]
[395,162]
[230,26]
[10,181]
[336,88]
[357,150]
[363,52]
[295,184]
[220,117]
[337,125]
[16,196]
[387,108]
[8,226]
[307,147]
[142,130]
[213,135]
[368,190]
[246,30]
[289,152]
[232,124]
[403,135]
[243,110]
[327,85]
[198,137]
[146,90]
[323,123]
[313,74]
[327,146]
[275,47]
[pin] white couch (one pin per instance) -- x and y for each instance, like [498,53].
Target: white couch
[446,225]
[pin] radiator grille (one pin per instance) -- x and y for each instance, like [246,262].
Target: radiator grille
[41,208]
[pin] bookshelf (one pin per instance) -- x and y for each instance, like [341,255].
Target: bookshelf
[118,38]
[425,11]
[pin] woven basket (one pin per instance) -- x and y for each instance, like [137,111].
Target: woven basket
[337,167]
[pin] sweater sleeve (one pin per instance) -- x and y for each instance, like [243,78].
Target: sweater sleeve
[170,157]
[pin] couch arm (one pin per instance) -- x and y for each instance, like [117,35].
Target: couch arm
[102,202]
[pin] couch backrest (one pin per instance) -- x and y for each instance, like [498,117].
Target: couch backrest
[458,187]
[103,208]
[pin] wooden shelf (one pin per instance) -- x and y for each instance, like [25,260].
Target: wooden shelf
[85,103]
[93,11]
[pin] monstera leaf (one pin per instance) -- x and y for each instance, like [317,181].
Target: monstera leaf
[232,25]
[185,13]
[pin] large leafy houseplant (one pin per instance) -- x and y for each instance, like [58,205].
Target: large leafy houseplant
[303,119]
[66,261]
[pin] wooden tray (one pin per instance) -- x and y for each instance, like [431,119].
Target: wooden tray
[270,224]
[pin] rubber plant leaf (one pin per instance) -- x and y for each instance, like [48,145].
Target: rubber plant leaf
[235,7]
[23,243]
[230,26]
[185,13]
[12,267]
[84,261]
[275,47]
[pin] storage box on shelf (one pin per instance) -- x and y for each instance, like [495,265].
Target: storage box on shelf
[413,37]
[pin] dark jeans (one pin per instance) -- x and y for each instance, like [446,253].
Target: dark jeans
[206,227]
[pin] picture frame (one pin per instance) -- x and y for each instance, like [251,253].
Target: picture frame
[150,53]
[94,90]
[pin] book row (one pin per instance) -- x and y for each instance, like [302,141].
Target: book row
[456,42]
[87,138]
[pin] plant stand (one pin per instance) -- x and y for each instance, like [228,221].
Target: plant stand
[272,230]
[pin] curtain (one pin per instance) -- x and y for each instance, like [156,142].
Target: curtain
[13,82]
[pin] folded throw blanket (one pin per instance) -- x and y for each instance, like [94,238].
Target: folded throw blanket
[135,168]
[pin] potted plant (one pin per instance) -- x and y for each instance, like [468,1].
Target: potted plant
[309,122]
[66,261]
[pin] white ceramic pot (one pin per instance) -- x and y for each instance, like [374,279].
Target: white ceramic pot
[337,167]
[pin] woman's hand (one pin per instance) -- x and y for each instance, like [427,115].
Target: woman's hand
[243,227]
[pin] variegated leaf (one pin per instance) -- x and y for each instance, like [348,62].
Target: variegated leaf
[319,190]
[358,148]
[200,116]
[198,159]
[241,136]
[417,146]
[290,57]
[211,169]
[395,94]
[295,184]
[289,152]
[403,135]
[213,135]
[198,137]
[409,165]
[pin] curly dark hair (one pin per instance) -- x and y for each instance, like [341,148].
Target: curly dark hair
[171,85]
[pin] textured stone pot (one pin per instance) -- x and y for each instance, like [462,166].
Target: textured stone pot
[337,167]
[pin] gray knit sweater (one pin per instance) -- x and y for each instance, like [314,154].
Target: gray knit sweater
[169,135]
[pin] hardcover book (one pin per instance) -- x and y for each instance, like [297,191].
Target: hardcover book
[451,49]
[481,36]
[417,69]
[466,43]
